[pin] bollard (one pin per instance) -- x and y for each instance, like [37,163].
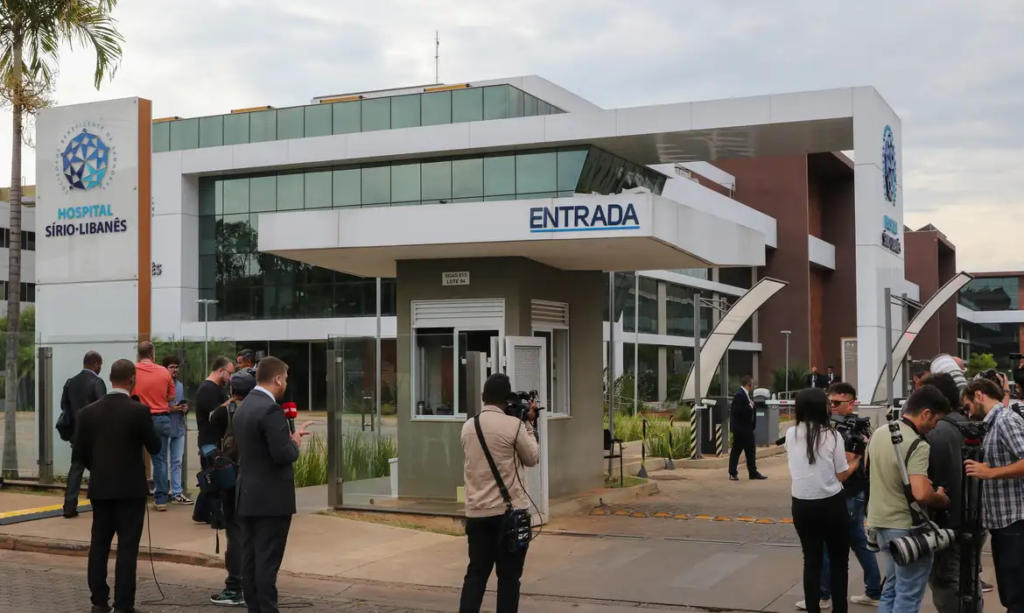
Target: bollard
[718,440]
[642,473]
[669,465]
[694,435]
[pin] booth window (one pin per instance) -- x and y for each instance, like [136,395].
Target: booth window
[439,370]
[557,340]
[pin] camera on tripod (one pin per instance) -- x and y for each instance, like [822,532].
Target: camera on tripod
[518,405]
[855,431]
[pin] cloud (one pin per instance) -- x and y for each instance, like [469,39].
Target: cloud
[951,71]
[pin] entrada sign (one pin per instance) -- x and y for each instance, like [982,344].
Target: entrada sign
[891,235]
[584,218]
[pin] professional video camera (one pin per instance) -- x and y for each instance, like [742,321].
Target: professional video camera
[518,405]
[855,431]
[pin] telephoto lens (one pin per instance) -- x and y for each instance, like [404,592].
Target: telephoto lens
[910,548]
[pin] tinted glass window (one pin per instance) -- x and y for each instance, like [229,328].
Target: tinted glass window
[236,129]
[376,185]
[184,134]
[437,181]
[347,189]
[211,131]
[570,164]
[346,117]
[405,112]
[536,173]
[496,102]
[290,192]
[236,196]
[290,123]
[376,114]
[468,178]
[318,190]
[405,183]
[437,108]
[318,120]
[262,126]
[500,175]
[467,105]
[262,194]
[161,137]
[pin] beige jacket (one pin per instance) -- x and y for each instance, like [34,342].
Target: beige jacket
[506,438]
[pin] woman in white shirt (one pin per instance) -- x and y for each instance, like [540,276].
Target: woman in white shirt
[818,464]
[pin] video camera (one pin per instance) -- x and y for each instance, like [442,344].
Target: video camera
[518,405]
[855,431]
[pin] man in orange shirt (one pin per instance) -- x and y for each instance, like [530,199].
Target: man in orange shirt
[154,387]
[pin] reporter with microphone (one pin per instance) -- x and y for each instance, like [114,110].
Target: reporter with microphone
[265,504]
[496,445]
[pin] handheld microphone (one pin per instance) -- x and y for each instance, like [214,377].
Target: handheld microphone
[290,412]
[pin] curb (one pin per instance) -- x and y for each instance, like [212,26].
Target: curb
[34,544]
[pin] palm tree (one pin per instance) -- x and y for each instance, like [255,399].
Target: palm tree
[31,35]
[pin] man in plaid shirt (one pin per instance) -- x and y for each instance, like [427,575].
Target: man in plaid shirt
[1003,494]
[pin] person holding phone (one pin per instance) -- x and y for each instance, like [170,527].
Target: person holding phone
[265,503]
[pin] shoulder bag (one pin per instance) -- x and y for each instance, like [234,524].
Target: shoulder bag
[517,527]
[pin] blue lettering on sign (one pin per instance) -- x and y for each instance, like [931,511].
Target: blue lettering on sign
[79,212]
[583,218]
[86,227]
[891,225]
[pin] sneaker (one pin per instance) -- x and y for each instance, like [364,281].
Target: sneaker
[159,507]
[865,599]
[986,586]
[228,598]
[824,604]
[181,499]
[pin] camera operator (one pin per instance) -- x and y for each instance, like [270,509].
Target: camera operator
[493,499]
[945,468]
[889,512]
[1003,495]
[841,398]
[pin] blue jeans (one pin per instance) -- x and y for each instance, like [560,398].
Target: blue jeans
[904,585]
[162,425]
[1008,558]
[177,448]
[859,546]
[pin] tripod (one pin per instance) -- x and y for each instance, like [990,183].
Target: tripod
[971,533]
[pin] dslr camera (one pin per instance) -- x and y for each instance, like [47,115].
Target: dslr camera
[519,403]
[855,431]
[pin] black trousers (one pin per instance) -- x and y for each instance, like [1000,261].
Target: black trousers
[263,542]
[743,443]
[74,487]
[487,550]
[125,518]
[233,550]
[821,523]
[1008,559]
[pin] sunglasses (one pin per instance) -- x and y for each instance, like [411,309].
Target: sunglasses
[838,403]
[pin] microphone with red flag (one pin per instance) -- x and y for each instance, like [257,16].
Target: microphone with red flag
[291,412]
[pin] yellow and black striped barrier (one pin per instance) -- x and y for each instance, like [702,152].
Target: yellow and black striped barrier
[24,515]
[718,440]
[694,435]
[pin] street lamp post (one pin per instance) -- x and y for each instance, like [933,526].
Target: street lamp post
[206,302]
[787,333]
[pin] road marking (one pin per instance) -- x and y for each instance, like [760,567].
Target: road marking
[54,510]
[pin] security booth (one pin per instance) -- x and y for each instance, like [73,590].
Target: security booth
[508,286]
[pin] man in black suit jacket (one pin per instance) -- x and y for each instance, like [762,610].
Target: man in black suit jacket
[81,390]
[816,379]
[110,439]
[830,377]
[265,500]
[741,424]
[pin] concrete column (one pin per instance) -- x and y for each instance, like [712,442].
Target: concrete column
[663,372]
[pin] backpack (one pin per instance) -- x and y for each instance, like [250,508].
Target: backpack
[227,444]
[221,472]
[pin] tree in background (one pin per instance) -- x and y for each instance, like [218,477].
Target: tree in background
[980,362]
[32,33]
[26,357]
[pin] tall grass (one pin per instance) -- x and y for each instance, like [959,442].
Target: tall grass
[629,428]
[365,456]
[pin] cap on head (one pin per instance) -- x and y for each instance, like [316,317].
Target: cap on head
[243,382]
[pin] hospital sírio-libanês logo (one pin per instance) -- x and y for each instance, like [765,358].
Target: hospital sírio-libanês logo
[86,157]
[890,174]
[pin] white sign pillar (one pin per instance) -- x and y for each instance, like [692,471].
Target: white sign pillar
[93,220]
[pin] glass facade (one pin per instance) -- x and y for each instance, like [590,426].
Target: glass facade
[992,294]
[251,285]
[648,320]
[1000,340]
[366,115]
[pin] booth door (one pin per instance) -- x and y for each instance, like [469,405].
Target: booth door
[526,366]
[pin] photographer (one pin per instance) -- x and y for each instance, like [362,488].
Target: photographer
[841,398]
[489,504]
[818,463]
[1003,495]
[945,468]
[889,511]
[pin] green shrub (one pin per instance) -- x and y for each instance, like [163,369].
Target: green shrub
[683,413]
[797,378]
[979,363]
[659,444]
[365,456]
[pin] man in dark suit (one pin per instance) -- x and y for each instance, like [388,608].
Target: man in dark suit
[81,390]
[830,377]
[265,501]
[816,379]
[741,424]
[110,439]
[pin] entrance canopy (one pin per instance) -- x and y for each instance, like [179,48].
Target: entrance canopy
[629,231]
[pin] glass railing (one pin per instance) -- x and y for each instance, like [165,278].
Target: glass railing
[349,116]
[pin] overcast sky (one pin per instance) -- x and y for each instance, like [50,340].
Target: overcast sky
[952,70]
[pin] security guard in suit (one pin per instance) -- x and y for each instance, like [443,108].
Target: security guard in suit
[741,424]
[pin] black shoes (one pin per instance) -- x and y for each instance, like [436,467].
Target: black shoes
[70,513]
[733,478]
[758,477]
[101,609]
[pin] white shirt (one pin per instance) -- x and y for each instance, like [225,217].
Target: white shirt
[818,480]
[264,390]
